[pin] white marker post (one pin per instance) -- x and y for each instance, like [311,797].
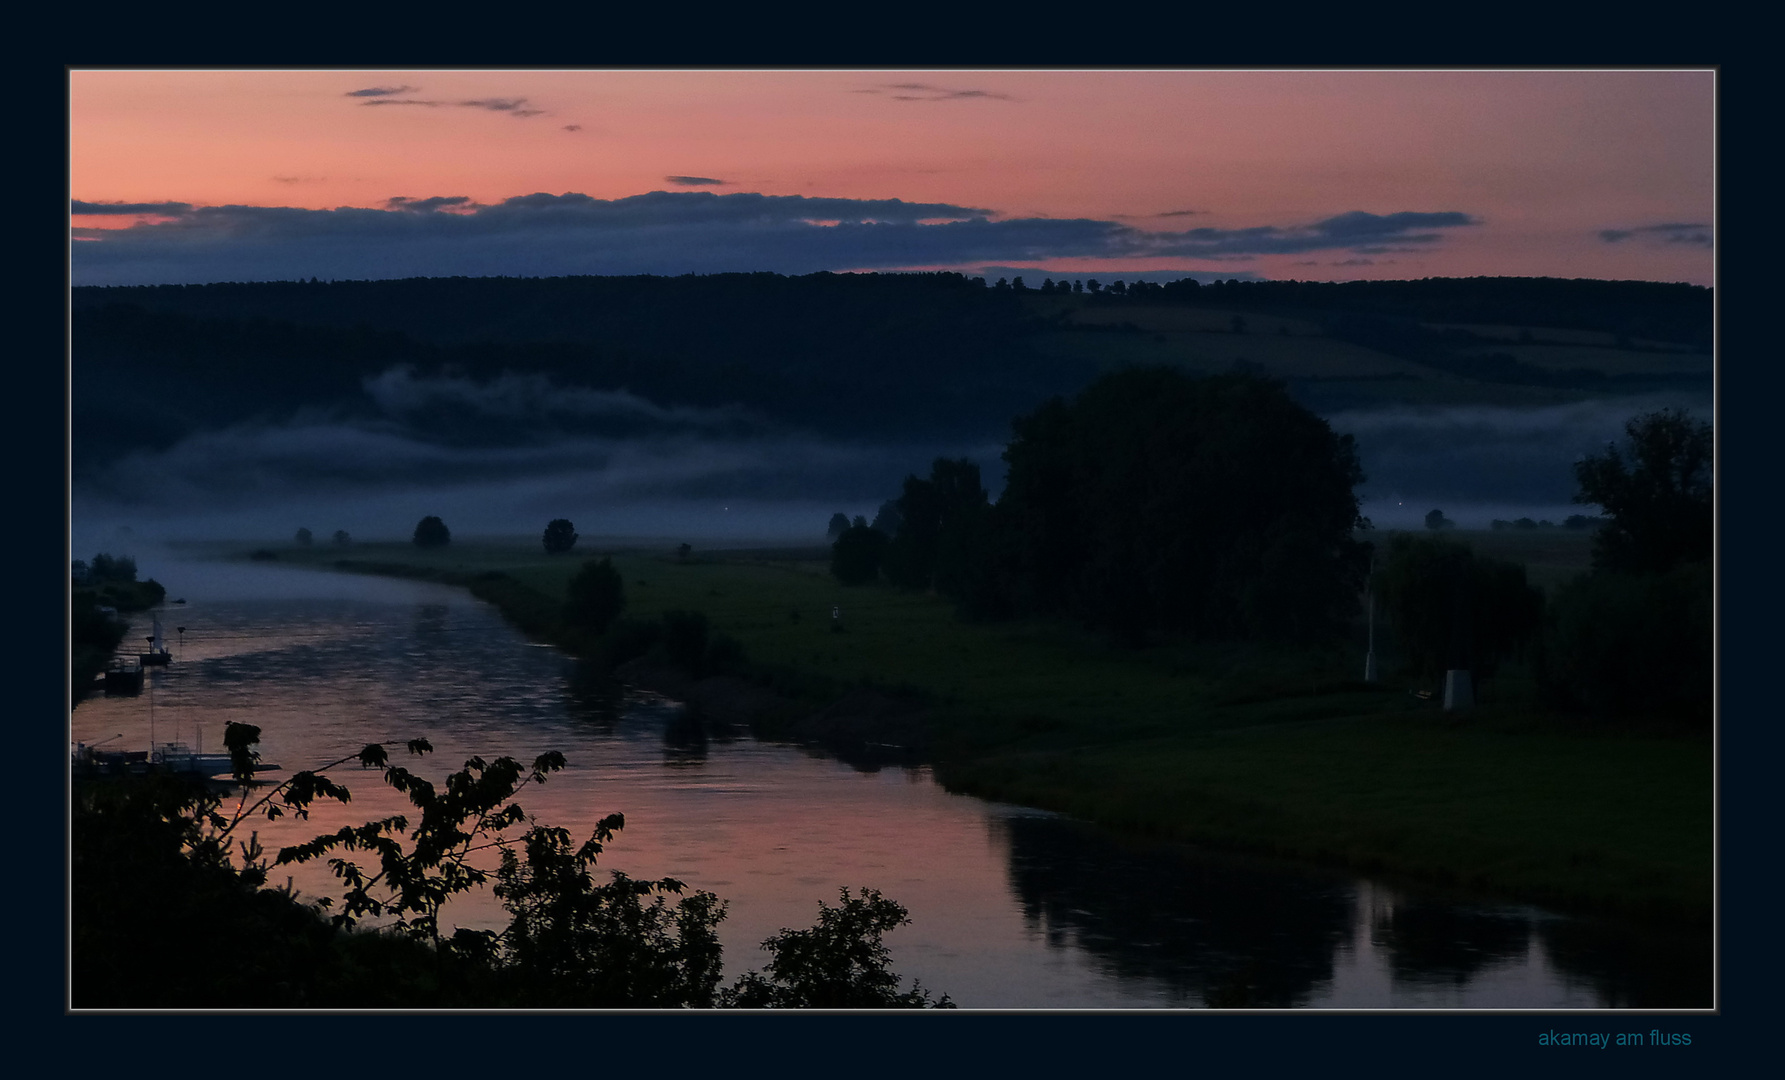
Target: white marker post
[1459,692]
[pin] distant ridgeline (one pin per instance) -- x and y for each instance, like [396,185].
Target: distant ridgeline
[853,355]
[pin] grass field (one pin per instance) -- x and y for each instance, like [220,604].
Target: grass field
[1244,746]
[1202,341]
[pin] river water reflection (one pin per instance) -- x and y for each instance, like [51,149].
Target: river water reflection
[1010,907]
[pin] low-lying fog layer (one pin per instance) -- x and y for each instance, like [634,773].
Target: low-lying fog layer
[700,478]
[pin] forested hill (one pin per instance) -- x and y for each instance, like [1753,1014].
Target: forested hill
[827,310]
[847,355]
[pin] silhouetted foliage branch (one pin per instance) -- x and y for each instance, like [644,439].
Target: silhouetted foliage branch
[571,942]
[841,963]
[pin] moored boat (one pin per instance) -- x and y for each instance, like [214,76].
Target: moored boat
[122,678]
[157,656]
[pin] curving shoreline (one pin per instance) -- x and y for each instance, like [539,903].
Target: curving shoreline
[1506,805]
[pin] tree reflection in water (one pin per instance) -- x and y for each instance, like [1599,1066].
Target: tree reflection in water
[1228,931]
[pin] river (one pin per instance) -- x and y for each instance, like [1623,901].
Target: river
[1011,908]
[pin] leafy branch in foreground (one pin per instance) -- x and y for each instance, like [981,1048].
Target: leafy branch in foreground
[840,963]
[571,942]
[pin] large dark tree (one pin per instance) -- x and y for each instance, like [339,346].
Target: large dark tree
[856,555]
[1453,609]
[934,514]
[594,597]
[887,518]
[1656,491]
[560,536]
[1158,503]
[432,532]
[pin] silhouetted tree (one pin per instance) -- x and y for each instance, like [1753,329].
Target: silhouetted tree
[432,532]
[857,553]
[839,523]
[305,538]
[1435,520]
[560,536]
[1157,503]
[1628,645]
[1656,491]
[1453,609]
[341,538]
[931,514]
[105,567]
[887,519]
[683,551]
[838,964]
[595,596]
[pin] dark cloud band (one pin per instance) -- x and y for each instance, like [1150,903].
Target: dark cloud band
[1697,235]
[80,208]
[665,232]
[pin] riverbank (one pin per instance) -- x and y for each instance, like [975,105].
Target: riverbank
[94,634]
[1244,747]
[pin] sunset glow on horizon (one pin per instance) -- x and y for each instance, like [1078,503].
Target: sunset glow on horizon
[185,176]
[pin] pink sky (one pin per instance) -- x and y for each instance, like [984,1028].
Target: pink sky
[1546,165]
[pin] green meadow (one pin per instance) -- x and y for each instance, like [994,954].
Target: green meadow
[1248,747]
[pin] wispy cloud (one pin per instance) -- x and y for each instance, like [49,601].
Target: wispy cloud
[1696,235]
[694,181]
[929,92]
[515,106]
[381,91]
[668,232]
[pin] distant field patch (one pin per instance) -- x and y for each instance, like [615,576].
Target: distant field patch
[1608,360]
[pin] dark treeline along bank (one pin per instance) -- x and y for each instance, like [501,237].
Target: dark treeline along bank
[841,355]
[1154,506]
[1151,504]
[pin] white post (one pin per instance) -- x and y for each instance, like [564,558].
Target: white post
[1458,692]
